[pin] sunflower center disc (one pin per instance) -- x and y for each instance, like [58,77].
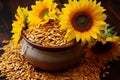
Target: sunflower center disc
[99,48]
[45,12]
[82,22]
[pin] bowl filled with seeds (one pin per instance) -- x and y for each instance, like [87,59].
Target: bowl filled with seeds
[47,49]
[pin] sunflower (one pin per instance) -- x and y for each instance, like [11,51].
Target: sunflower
[82,19]
[19,24]
[42,12]
[105,50]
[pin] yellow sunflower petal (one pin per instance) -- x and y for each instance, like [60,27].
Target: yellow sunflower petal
[17,26]
[78,37]
[88,38]
[83,39]
[71,38]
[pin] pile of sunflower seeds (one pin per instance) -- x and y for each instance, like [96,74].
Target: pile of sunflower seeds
[47,35]
[15,67]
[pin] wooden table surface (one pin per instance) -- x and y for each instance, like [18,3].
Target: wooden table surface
[8,9]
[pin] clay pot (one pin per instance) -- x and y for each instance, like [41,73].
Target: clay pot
[52,58]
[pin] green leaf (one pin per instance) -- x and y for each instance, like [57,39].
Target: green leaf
[108,32]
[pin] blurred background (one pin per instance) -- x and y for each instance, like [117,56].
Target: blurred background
[8,10]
